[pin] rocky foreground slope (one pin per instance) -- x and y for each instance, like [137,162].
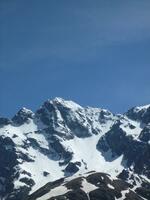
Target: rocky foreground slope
[63,150]
[91,186]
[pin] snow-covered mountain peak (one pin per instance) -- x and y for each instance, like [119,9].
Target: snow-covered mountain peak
[63,139]
[140,109]
[140,113]
[22,116]
[24,111]
[66,103]
[145,107]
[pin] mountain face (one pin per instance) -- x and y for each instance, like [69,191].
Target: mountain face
[65,151]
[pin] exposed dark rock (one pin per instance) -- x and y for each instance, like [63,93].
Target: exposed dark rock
[144,190]
[25,157]
[4,121]
[71,168]
[145,134]
[132,195]
[142,115]
[104,116]
[101,194]
[72,195]
[19,194]
[134,151]
[124,175]
[131,126]
[111,138]
[8,160]
[14,136]
[45,173]
[58,151]
[27,181]
[22,116]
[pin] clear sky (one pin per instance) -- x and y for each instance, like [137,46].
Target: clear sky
[95,52]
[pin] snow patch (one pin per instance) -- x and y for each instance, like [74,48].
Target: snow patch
[87,187]
[61,190]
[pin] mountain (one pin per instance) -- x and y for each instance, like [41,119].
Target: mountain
[65,151]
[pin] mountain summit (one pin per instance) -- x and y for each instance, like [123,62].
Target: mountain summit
[66,151]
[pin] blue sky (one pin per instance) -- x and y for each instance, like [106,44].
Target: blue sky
[95,52]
